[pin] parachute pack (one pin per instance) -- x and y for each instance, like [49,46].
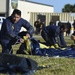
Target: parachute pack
[12,64]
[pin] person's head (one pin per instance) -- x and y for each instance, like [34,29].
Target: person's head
[63,28]
[51,22]
[16,15]
[38,19]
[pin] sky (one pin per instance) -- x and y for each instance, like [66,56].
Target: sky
[57,4]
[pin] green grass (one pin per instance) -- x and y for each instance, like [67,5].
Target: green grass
[52,65]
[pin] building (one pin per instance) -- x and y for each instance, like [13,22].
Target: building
[33,10]
[64,17]
[26,6]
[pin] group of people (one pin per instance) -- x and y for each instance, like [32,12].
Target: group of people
[10,33]
[73,35]
[68,24]
[38,26]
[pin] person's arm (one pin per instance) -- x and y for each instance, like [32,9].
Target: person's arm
[7,29]
[60,35]
[62,40]
[29,27]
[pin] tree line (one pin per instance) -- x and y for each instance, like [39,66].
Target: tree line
[69,8]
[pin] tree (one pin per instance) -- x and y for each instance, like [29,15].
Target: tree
[73,8]
[69,8]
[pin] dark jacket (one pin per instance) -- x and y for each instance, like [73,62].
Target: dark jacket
[53,30]
[11,30]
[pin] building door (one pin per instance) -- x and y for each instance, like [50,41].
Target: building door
[42,18]
[55,18]
[2,14]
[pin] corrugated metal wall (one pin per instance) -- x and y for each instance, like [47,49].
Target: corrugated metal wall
[62,17]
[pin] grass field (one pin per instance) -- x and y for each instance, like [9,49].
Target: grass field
[52,65]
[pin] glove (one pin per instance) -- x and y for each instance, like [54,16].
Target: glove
[52,47]
[43,46]
[25,38]
[56,46]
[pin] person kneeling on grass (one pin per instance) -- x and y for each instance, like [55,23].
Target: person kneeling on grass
[10,31]
[51,32]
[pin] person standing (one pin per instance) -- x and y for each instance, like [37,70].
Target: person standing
[10,31]
[37,26]
[59,23]
[74,24]
[42,25]
[73,36]
[51,22]
[68,28]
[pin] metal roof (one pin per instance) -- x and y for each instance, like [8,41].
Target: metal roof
[37,3]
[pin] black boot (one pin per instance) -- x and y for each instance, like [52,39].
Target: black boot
[20,52]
